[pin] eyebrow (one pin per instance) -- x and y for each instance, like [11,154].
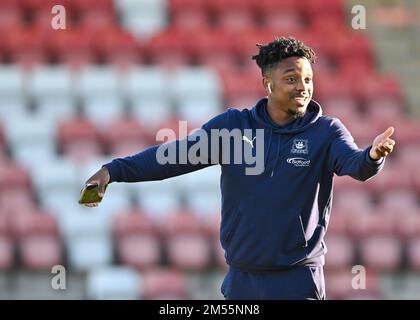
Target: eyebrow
[289,70]
[294,70]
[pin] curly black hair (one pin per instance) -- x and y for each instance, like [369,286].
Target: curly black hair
[279,49]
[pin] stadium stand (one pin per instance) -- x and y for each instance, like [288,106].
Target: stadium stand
[70,100]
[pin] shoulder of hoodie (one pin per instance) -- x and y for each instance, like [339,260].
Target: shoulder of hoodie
[230,119]
[334,126]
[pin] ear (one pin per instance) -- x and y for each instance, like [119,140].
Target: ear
[265,82]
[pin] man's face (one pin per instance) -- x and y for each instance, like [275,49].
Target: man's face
[291,85]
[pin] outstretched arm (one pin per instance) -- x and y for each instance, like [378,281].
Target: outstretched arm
[347,159]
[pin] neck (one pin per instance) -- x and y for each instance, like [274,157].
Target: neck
[279,116]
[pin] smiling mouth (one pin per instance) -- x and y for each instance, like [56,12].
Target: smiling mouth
[300,100]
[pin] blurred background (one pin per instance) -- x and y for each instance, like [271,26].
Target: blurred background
[73,99]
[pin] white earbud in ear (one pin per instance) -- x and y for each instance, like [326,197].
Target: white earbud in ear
[269,88]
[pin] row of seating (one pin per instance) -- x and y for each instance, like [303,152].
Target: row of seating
[122,282]
[182,241]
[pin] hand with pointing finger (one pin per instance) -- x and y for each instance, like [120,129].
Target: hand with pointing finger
[382,145]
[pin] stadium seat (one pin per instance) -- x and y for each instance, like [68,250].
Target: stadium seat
[198,110]
[413,253]
[78,139]
[14,177]
[25,47]
[151,112]
[114,283]
[352,199]
[39,242]
[344,108]
[12,100]
[385,112]
[242,89]
[100,91]
[124,137]
[71,47]
[116,47]
[381,252]
[51,89]
[398,200]
[341,251]
[137,243]
[391,178]
[348,283]
[166,284]
[186,246]
[146,83]
[167,49]
[143,18]
[195,82]
[6,244]
[337,223]
[55,175]
[236,20]
[87,238]
[407,223]
[158,198]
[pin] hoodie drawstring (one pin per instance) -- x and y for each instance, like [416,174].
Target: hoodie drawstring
[277,157]
[268,149]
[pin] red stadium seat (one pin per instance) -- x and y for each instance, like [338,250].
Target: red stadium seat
[352,199]
[136,240]
[345,108]
[167,284]
[381,252]
[319,8]
[212,46]
[16,201]
[354,46]
[72,47]
[407,223]
[39,243]
[10,16]
[168,48]
[264,7]
[373,86]
[116,46]
[6,244]
[181,5]
[397,200]
[236,21]
[96,20]
[83,6]
[78,139]
[413,253]
[25,46]
[385,112]
[337,223]
[220,7]
[14,177]
[390,178]
[242,89]
[340,251]
[348,283]
[125,136]
[190,18]
[186,246]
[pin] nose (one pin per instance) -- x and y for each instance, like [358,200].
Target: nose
[301,85]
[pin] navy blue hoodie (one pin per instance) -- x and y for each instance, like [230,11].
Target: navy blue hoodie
[276,219]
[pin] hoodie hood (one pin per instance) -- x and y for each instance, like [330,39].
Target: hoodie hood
[260,114]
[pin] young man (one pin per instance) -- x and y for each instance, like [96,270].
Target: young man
[274,218]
